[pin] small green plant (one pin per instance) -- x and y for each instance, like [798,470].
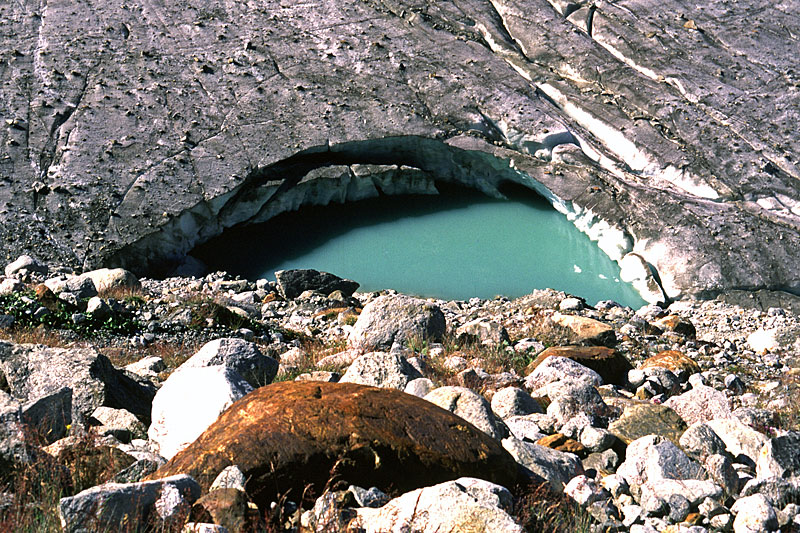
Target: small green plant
[23,306]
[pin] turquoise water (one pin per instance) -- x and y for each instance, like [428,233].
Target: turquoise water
[456,246]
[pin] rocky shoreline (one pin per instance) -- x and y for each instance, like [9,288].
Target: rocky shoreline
[675,419]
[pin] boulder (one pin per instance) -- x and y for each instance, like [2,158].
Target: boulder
[513,401]
[35,371]
[556,368]
[754,514]
[699,441]
[743,442]
[25,263]
[48,417]
[106,279]
[552,466]
[189,401]
[237,354]
[289,435]
[612,366]
[780,457]
[121,423]
[391,319]
[583,330]
[470,406]
[110,507]
[482,331]
[654,458]
[465,504]
[293,283]
[381,369]
[700,404]
[673,360]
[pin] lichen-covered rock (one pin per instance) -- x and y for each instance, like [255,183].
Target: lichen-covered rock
[640,419]
[471,407]
[465,504]
[288,435]
[396,319]
[381,369]
[612,366]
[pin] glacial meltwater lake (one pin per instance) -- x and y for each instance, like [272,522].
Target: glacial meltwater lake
[455,246]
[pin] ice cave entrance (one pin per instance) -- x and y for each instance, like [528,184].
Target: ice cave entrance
[457,245]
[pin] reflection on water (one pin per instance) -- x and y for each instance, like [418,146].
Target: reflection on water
[455,246]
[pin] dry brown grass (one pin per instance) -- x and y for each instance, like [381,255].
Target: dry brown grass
[124,294]
[538,510]
[38,335]
[173,354]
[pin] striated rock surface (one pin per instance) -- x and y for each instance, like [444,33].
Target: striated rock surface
[287,435]
[663,130]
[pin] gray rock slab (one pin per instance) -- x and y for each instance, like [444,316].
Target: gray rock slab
[35,371]
[112,506]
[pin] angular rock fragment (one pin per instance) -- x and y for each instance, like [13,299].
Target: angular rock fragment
[553,466]
[34,371]
[287,435]
[780,457]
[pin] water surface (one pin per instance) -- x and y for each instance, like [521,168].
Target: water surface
[455,246]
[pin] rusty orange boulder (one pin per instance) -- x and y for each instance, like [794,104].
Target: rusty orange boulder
[673,360]
[288,435]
